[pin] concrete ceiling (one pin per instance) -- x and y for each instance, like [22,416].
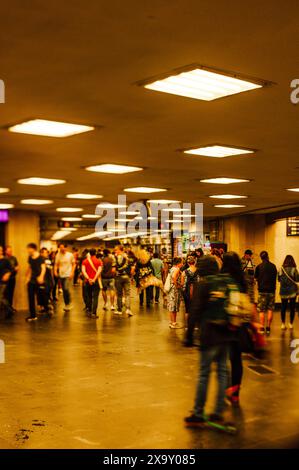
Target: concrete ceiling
[79,62]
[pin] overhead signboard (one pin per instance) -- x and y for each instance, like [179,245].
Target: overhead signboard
[293,227]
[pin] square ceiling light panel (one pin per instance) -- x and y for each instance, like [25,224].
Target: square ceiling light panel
[202,83]
[37,181]
[113,168]
[218,151]
[47,128]
[144,189]
[223,180]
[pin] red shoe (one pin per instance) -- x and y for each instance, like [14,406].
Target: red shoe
[232,394]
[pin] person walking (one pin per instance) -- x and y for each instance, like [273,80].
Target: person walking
[11,284]
[5,273]
[209,305]
[266,274]
[248,270]
[91,270]
[123,280]
[174,293]
[108,279]
[157,267]
[189,276]
[35,277]
[288,278]
[64,268]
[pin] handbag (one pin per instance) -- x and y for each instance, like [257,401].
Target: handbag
[290,278]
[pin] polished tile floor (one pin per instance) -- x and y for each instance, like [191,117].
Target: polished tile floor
[72,382]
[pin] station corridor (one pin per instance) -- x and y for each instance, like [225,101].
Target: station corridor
[73,382]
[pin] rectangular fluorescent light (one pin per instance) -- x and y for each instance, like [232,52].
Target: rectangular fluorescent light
[217,151]
[60,234]
[184,216]
[84,196]
[224,180]
[71,219]
[113,168]
[4,190]
[203,83]
[108,205]
[36,202]
[69,229]
[6,206]
[90,216]
[144,189]
[47,128]
[37,181]
[93,235]
[296,190]
[130,213]
[227,196]
[162,201]
[175,210]
[229,206]
[69,209]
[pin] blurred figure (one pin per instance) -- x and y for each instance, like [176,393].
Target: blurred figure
[48,280]
[108,279]
[217,255]
[157,267]
[123,280]
[5,273]
[189,276]
[174,293]
[11,284]
[288,277]
[248,270]
[75,252]
[35,277]
[64,268]
[266,274]
[91,270]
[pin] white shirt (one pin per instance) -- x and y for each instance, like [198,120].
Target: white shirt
[64,262]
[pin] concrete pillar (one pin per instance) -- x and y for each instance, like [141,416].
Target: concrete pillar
[22,228]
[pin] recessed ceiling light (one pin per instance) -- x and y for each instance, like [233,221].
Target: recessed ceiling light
[162,230]
[90,216]
[112,168]
[69,229]
[184,216]
[203,83]
[93,235]
[144,189]
[84,196]
[60,234]
[152,218]
[69,209]
[174,221]
[227,196]
[71,219]
[224,180]
[124,220]
[218,151]
[37,202]
[162,201]
[34,180]
[49,128]
[175,210]
[4,190]
[130,213]
[6,206]
[108,205]
[229,206]
[296,190]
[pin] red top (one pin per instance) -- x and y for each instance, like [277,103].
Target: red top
[88,267]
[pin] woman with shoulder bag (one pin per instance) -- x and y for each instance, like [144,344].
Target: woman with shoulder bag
[288,278]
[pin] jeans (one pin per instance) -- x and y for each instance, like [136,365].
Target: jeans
[65,284]
[216,354]
[36,291]
[284,306]
[148,296]
[123,286]
[92,297]
[10,290]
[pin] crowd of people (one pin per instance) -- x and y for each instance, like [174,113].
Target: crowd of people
[218,291]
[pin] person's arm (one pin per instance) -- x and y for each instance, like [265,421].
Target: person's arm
[84,272]
[98,273]
[176,277]
[40,279]
[28,273]
[56,266]
[73,267]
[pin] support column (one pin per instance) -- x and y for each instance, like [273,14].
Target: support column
[22,228]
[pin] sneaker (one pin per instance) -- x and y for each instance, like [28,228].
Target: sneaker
[291,326]
[129,312]
[232,395]
[30,319]
[175,326]
[94,315]
[118,312]
[105,307]
[68,308]
[194,421]
[268,330]
[283,326]
[112,308]
[262,330]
